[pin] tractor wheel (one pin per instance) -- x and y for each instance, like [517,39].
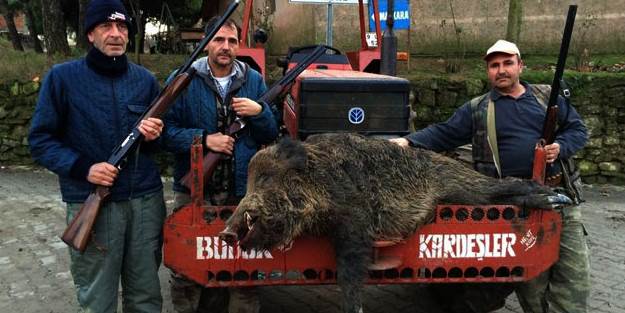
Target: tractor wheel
[471,298]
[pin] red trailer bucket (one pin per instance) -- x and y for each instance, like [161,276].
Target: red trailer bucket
[464,243]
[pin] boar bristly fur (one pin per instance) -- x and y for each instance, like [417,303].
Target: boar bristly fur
[355,190]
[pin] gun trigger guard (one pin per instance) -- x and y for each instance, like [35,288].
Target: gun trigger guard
[541,143]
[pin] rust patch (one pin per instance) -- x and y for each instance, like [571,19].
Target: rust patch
[519,225]
[540,235]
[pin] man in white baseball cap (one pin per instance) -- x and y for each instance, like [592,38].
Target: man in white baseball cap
[504,126]
[503,46]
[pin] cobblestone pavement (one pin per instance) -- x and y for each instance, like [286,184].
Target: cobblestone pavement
[34,270]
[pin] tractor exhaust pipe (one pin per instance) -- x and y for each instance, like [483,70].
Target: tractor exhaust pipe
[388,55]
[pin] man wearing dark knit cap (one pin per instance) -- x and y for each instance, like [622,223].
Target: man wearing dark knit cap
[86,107]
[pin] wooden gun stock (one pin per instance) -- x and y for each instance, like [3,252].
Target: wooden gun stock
[539,168]
[211,159]
[549,126]
[78,232]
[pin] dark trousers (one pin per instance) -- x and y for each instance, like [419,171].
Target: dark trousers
[189,297]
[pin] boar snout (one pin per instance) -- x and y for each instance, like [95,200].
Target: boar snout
[229,236]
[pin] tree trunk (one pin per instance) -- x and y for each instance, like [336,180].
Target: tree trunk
[515,16]
[54,27]
[8,17]
[142,24]
[135,40]
[81,38]
[32,29]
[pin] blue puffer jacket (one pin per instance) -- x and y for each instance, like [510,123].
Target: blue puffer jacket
[82,115]
[195,112]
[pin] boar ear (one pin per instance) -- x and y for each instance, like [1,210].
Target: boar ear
[293,152]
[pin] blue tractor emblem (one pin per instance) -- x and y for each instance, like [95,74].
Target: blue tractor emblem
[356,115]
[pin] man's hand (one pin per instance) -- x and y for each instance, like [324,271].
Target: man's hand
[246,107]
[151,128]
[552,151]
[402,142]
[102,173]
[221,143]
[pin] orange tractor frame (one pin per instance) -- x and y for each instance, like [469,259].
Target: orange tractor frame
[464,243]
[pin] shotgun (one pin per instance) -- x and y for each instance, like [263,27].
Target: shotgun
[78,232]
[211,159]
[551,117]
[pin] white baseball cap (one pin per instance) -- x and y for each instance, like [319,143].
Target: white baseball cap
[503,46]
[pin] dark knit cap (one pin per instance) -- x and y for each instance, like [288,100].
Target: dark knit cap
[100,11]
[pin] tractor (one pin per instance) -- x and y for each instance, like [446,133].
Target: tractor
[464,244]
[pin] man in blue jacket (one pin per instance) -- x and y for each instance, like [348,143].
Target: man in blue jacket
[504,126]
[85,108]
[222,90]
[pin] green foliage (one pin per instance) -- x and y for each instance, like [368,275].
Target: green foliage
[195,4]
[581,50]
[162,65]
[539,69]
[14,5]
[262,18]
[24,66]
[185,12]
[20,66]
[455,48]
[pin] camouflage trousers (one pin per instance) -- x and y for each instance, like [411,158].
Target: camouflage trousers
[189,297]
[566,286]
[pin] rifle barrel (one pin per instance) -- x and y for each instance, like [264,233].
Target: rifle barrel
[549,126]
[278,86]
[564,50]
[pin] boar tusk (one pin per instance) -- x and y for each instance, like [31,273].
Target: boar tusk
[248,219]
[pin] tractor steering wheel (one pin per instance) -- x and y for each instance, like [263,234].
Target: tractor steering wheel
[308,49]
[284,63]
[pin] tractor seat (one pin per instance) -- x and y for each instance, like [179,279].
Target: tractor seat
[325,58]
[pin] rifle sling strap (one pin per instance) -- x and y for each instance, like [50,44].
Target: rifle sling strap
[492,134]
[541,92]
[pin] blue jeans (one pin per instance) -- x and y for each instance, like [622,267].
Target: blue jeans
[126,244]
